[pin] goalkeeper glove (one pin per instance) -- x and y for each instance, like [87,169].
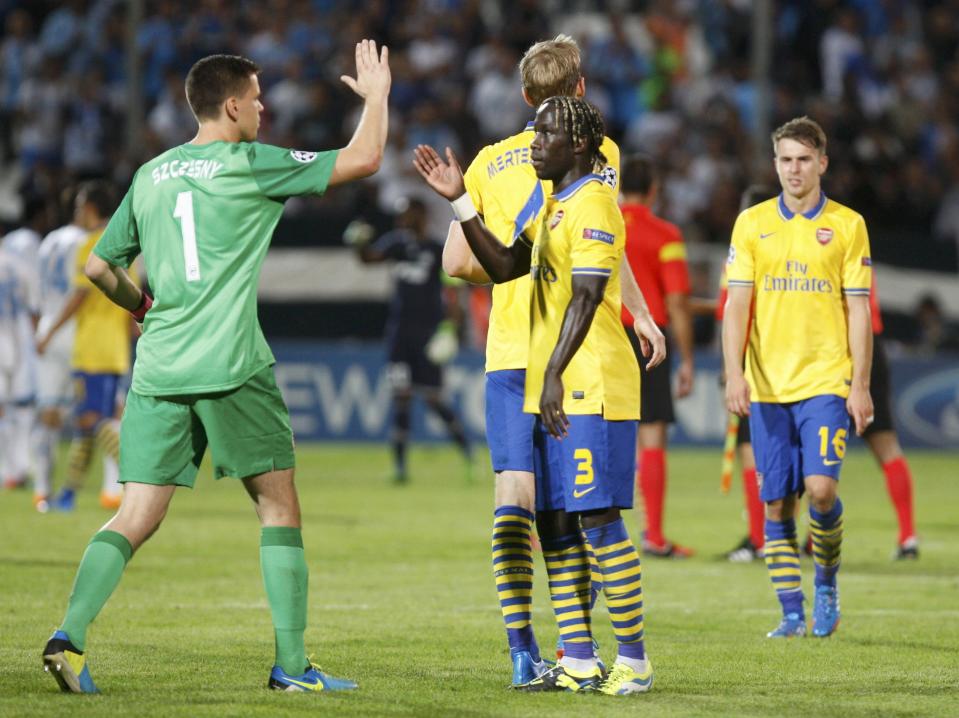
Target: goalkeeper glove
[358,233]
[146,301]
[443,345]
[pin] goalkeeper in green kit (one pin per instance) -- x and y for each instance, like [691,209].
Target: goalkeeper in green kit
[202,214]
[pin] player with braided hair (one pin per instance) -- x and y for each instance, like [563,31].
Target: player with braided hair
[582,381]
[503,187]
[585,125]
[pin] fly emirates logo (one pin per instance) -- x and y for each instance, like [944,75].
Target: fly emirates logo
[796,279]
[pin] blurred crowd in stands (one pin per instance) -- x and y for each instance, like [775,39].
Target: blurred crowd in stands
[672,78]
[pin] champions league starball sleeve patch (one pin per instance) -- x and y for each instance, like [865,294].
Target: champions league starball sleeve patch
[303,156]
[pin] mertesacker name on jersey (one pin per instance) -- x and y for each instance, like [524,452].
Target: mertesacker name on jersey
[196,169]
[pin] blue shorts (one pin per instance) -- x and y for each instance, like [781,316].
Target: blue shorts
[592,468]
[96,392]
[795,440]
[509,432]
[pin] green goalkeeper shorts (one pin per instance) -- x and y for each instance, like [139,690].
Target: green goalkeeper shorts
[163,438]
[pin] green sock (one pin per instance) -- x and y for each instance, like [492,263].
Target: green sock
[97,577]
[286,578]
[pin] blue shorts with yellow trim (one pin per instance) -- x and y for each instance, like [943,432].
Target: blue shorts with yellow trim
[509,432]
[795,440]
[96,392]
[592,468]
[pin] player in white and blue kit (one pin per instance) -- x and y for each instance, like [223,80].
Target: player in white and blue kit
[16,296]
[22,246]
[57,257]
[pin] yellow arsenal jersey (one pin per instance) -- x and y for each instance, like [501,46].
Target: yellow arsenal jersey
[582,233]
[799,266]
[505,191]
[101,344]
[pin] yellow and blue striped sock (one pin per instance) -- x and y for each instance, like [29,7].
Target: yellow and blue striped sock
[826,530]
[567,568]
[78,460]
[782,561]
[622,579]
[513,573]
[107,436]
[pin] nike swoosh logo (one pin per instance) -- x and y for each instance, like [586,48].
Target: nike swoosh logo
[828,462]
[308,686]
[581,494]
[768,234]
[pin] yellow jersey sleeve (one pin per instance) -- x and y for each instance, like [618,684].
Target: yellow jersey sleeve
[596,247]
[857,263]
[741,264]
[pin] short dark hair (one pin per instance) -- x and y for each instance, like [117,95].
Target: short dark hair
[215,78]
[100,194]
[639,174]
[804,130]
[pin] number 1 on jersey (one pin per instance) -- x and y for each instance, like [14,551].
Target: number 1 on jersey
[184,212]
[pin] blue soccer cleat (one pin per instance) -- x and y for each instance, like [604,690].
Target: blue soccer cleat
[67,664]
[313,680]
[825,612]
[64,501]
[623,680]
[526,669]
[792,626]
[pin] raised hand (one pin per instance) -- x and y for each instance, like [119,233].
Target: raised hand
[372,71]
[446,178]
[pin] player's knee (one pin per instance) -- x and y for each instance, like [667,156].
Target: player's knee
[822,492]
[555,524]
[51,418]
[601,517]
[778,510]
[515,488]
[87,421]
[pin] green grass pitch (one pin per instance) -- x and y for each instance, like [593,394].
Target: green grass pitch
[401,599]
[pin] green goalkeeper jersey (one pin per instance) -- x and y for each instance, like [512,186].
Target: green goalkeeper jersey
[203,217]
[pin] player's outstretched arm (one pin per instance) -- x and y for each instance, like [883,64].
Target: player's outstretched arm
[587,296]
[364,153]
[651,339]
[501,263]
[735,322]
[458,259]
[70,307]
[859,401]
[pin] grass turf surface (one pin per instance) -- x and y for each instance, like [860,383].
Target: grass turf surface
[401,600]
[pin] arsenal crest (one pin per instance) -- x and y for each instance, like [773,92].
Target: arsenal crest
[556,219]
[823,235]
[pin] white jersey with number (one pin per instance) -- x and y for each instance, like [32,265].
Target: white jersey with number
[56,265]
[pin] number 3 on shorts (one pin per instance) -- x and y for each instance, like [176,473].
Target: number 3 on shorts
[838,442]
[184,212]
[584,466]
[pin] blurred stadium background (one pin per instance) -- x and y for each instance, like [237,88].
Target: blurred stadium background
[91,88]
